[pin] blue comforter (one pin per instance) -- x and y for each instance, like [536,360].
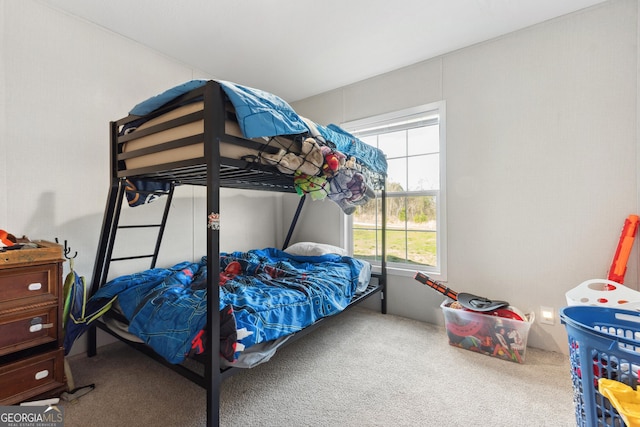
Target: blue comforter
[269,293]
[259,113]
[262,114]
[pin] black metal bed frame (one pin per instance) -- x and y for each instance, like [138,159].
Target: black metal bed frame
[214,172]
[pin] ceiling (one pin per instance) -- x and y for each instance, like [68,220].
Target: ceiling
[299,48]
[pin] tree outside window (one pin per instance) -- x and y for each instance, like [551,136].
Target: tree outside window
[413,142]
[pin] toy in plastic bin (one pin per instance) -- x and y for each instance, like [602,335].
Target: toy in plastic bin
[473,302]
[622,397]
[482,325]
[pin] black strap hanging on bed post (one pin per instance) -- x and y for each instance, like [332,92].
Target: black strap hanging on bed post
[294,221]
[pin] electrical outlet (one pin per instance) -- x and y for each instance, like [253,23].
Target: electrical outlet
[547,315]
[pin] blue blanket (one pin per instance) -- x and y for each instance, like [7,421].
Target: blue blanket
[262,114]
[269,293]
[259,113]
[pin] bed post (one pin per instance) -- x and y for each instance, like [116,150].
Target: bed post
[383,263]
[213,130]
[294,221]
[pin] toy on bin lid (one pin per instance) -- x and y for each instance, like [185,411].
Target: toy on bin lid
[604,293]
[625,245]
[611,292]
[472,302]
[625,399]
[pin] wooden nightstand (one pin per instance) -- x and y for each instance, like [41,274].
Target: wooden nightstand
[31,353]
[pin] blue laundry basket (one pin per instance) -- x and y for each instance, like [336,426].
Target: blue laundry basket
[603,343]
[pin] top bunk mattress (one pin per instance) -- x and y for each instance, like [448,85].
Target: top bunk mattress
[254,131]
[260,150]
[258,116]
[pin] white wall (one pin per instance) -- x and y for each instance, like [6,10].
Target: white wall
[3,140]
[541,158]
[61,81]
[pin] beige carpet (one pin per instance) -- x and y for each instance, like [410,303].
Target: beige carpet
[361,369]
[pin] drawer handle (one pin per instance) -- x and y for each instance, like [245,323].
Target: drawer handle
[42,374]
[40,326]
[35,286]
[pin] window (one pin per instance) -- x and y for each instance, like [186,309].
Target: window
[413,141]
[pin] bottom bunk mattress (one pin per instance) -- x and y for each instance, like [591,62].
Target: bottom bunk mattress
[265,296]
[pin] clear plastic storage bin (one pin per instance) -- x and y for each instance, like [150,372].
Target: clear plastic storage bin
[487,334]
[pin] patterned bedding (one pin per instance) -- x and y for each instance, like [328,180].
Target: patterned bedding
[264,295]
[323,161]
[261,114]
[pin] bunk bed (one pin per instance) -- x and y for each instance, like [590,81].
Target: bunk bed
[218,134]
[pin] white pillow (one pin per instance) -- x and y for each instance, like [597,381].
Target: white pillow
[314,249]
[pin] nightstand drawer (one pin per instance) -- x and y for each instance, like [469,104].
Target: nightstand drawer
[28,328]
[31,377]
[28,285]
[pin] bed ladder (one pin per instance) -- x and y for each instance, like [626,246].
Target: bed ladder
[110,227]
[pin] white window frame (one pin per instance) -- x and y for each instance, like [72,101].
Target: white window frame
[404,269]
